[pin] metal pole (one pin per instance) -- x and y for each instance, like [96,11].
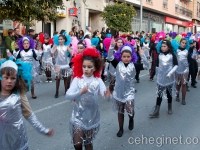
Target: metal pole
[141,7]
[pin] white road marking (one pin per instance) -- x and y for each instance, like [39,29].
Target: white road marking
[63,102]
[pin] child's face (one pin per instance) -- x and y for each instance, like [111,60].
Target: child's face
[88,68]
[61,40]
[164,48]
[26,44]
[37,38]
[183,43]
[80,48]
[8,82]
[16,45]
[46,40]
[119,43]
[126,57]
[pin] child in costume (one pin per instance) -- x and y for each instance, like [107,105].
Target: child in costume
[182,71]
[47,62]
[27,53]
[145,47]
[62,54]
[165,74]
[14,104]
[110,71]
[124,91]
[84,90]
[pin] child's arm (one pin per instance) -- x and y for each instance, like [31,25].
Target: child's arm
[145,64]
[73,92]
[31,117]
[175,63]
[103,91]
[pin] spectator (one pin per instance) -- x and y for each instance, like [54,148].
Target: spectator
[8,41]
[74,29]
[31,33]
[81,35]
[103,33]
[17,35]
[88,32]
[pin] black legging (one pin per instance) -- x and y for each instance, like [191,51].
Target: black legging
[159,98]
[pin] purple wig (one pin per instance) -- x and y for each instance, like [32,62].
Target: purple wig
[31,41]
[118,54]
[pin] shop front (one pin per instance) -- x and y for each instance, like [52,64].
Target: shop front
[151,22]
[175,25]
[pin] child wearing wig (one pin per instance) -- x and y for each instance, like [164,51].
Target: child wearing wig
[165,74]
[124,92]
[84,90]
[14,104]
[182,70]
[62,52]
[27,53]
[47,62]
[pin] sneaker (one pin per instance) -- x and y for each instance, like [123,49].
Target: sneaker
[151,80]
[50,80]
[47,80]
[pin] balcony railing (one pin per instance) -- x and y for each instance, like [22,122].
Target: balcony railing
[183,11]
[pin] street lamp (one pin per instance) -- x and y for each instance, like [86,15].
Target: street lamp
[141,7]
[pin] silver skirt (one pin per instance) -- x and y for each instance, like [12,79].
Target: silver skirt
[179,77]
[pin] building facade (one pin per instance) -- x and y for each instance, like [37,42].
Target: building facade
[88,14]
[195,6]
[166,15]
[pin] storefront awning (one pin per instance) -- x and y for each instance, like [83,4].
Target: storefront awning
[177,22]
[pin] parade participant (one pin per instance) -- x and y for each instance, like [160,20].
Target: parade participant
[145,47]
[62,54]
[84,90]
[47,62]
[165,74]
[27,53]
[15,79]
[110,71]
[154,56]
[124,91]
[182,71]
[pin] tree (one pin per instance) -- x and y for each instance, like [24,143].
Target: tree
[118,16]
[25,11]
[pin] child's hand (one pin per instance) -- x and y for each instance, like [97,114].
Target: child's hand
[84,90]
[113,40]
[107,93]
[141,52]
[50,133]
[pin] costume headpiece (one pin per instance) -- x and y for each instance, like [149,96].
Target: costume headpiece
[23,69]
[56,37]
[173,34]
[128,47]
[31,41]
[78,62]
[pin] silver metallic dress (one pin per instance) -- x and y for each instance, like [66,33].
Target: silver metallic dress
[62,62]
[12,129]
[183,68]
[124,90]
[165,75]
[46,58]
[28,57]
[85,115]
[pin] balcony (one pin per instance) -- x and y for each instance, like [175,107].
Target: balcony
[183,11]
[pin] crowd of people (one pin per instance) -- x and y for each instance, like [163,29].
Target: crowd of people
[84,61]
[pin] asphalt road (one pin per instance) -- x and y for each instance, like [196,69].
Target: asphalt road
[179,131]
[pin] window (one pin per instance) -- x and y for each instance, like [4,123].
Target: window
[165,4]
[136,25]
[149,1]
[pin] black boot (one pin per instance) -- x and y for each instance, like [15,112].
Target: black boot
[131,122]
[155,113]
[169,108]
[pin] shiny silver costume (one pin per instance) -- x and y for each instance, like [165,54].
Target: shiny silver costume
[12,129]
[85,115]
[165,74]
[62,62]
[183,68]
[124,90]
[146,49]
[46,58]
[28,57]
